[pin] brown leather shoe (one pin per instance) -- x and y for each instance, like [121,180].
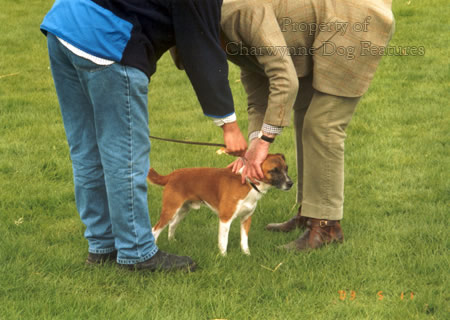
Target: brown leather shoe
[318,233]
[296,222]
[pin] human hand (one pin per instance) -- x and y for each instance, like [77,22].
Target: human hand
[235,143]
[237,164]
[253,159]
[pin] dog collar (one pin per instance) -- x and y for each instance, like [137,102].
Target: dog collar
[254,186]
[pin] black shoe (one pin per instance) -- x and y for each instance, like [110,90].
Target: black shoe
[163,261]
[101,258]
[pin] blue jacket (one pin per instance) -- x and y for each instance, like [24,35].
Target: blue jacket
[137,32]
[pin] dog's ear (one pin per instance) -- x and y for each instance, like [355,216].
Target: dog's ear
[282,156]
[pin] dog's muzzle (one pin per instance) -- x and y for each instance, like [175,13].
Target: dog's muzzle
[283,182]
[287,185]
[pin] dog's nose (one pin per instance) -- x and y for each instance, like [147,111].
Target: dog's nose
[289,184]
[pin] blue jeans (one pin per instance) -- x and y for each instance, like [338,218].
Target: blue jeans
[105,115]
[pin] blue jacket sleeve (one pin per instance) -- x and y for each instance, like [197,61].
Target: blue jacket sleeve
[197,28]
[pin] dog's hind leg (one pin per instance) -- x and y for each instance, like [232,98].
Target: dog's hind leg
[157,231]
[171,205]
[158,228]
[181,213]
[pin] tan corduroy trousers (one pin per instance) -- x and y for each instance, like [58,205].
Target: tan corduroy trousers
[320,121]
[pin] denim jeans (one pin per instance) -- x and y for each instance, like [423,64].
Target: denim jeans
[105,115]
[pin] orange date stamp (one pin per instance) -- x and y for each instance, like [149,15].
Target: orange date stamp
[351,295]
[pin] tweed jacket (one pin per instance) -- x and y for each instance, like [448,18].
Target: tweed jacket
[277,41]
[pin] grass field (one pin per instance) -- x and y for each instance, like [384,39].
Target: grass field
[396,217]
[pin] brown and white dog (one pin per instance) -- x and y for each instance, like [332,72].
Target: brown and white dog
[219,189]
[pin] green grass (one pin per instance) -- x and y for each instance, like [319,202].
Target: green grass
[396,210]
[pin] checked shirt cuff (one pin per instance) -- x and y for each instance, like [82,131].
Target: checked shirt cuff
[267,128]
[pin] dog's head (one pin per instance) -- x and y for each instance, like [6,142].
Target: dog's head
[275,172]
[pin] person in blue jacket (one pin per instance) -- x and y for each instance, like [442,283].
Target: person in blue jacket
[102,55]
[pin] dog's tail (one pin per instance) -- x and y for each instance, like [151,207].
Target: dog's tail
[156,178]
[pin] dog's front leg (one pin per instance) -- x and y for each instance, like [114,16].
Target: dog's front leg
[224,229]
[245,228]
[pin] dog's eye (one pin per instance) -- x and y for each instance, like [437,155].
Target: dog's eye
[275,170]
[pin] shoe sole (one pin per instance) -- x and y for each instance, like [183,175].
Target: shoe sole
[131,268]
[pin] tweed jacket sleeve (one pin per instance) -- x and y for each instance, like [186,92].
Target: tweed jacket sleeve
[270,100]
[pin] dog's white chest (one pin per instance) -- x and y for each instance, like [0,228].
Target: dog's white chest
[248,204]
[244,206]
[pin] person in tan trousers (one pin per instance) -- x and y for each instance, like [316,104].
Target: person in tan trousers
[317,57]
